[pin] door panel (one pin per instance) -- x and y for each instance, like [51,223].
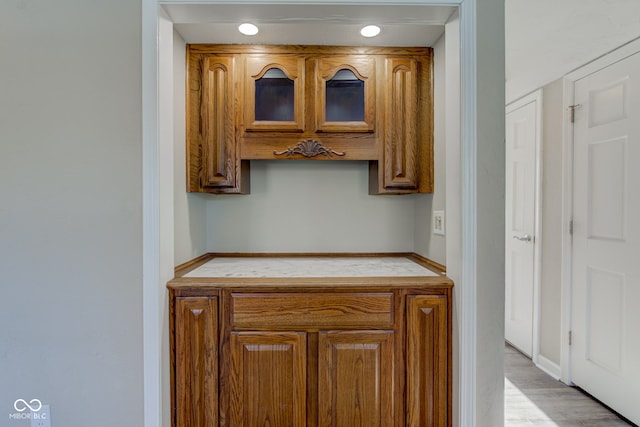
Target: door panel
[606,191]
[268,381]
[196,331]
[427,368]
[605,320]
[603,340]
[521,136]
[400,138]
[355,379]
[218,124]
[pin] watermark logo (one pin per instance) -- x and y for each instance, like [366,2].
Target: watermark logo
[21,405]
[34,406]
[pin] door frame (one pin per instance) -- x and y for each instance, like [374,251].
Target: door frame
[569,81]
[536,97]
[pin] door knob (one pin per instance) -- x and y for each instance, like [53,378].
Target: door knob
[523,238]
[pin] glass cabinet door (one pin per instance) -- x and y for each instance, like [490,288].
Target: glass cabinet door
[274,94]
[274,97]
[346,91]
[344,96]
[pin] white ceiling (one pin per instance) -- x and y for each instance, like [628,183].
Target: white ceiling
[310,24]
[545,39]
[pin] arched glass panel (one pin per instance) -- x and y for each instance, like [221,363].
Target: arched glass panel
[274,97]
[345,98]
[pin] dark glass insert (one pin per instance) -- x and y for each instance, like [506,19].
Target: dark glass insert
[274,97]
[345,98]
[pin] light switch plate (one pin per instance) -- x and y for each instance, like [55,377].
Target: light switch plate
[438,223]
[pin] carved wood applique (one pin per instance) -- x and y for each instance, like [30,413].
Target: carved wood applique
[309,148]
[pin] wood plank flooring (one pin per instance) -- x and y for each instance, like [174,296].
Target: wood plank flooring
[533,398]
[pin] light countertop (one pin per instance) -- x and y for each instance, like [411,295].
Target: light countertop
[274,267]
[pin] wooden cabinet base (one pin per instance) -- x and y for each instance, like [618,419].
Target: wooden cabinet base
[373,352]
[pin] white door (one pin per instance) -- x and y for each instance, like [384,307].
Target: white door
[522,134]
[605,321]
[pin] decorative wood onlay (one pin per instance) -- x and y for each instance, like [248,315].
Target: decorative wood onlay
[309,148]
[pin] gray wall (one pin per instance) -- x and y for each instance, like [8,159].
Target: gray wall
[550,309]
[307,206]
[70,217]
[428,244]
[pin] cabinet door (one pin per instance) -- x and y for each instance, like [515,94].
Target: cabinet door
[196,358]
[355,379]
[401,124]
[219,154]
[274,93]
[427,356]
[268,379]
[345,87]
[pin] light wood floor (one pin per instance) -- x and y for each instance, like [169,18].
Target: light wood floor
[533,398]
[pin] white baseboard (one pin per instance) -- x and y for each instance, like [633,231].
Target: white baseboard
[550,368]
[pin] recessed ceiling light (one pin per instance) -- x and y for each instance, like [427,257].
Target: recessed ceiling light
[370,31]
[248,29]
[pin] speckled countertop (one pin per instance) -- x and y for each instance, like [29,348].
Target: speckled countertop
[246,267]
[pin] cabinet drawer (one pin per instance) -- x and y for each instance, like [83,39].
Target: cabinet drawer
[317,310]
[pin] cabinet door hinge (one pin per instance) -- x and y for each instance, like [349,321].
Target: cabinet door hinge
[569,337]
[571,227]
[572,112]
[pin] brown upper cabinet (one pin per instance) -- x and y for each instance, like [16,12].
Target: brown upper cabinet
[249,102]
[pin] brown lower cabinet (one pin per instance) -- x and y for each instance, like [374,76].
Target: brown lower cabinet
[317,355]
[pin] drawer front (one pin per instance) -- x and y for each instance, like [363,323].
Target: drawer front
[311,311]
